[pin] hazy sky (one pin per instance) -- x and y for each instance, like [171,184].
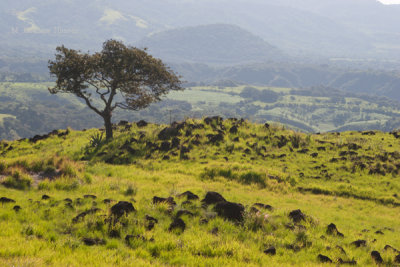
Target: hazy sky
[390,1]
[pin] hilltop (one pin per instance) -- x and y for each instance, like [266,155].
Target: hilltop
[217,43]
[259,195]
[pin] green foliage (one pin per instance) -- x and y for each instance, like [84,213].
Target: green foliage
[96,140]
[18,180]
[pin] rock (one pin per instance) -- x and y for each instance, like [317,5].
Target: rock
[214,231]
[169,200]
[83,214]
[215,138]
[4,200]
[359,243]
[397,259]
[151,219]
[165,146]
[341,249]
[389,247]
[184,212]
[90,196]
[230,211]
[45,197]
[379,232]
[107,201]
[270,251]
[17,208]
[168,133]
[186,203]
[189,195]
[178,223]
[233,130]
[175,142]
[114,234]
[68,200]
[332,230]
[93,241]
[376,256]
[212,198]
[141,123]
[297,216]
[324,259]
[121,208]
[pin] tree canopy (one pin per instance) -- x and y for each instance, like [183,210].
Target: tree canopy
[117,77]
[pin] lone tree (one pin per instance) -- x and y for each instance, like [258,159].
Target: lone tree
[117,77]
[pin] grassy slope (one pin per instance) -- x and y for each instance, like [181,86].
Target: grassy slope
[42,233]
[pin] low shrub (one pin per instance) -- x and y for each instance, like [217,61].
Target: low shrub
[18,180]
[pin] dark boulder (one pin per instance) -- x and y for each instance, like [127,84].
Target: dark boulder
[114,234]
[348,262]
[215,138]
[270,251]
[17,208]
[359,243]
[212,198]
[332,230]
[184,212]
[397,259]
[189,195]
[233,130]
[168,133]
[169,200]
[230,211]
[4,200]
[83,214]
[90,196]
[324,259]
[297,216]
[376,256]
[93,241]
[178,223]
[121,208]
[141,123]
[165,146]
[389,247]
[45,197]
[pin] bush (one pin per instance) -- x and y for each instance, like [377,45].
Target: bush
[253,178]
[18,180]
[3,167]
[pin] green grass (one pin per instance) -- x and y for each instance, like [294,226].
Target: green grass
[276,170]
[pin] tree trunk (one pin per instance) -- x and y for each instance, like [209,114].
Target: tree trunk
[108,126]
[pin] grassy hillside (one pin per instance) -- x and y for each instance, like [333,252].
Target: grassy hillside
[68,183]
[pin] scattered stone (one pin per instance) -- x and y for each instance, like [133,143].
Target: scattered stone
[297,216]
[141,123]
[168,133]
[83,214]
[212,198]
[230,211]
[270,251]
[68,200]
[397,259]
[114,234]
[189,195]
[233,130]
[184,212]
[359,243]
[376,256]
[389,247]
[93,241]
[107,201]
[121,208]
[214,231]
[169,200]
[4,200]
[45,197]
[332,230]
[178,223]
[324,259]
[90,196]
[17,208]
[379,232]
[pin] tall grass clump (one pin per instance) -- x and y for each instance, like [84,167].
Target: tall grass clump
[18,180]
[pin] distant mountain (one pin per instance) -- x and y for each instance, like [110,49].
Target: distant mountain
[322,28]
[218,43]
